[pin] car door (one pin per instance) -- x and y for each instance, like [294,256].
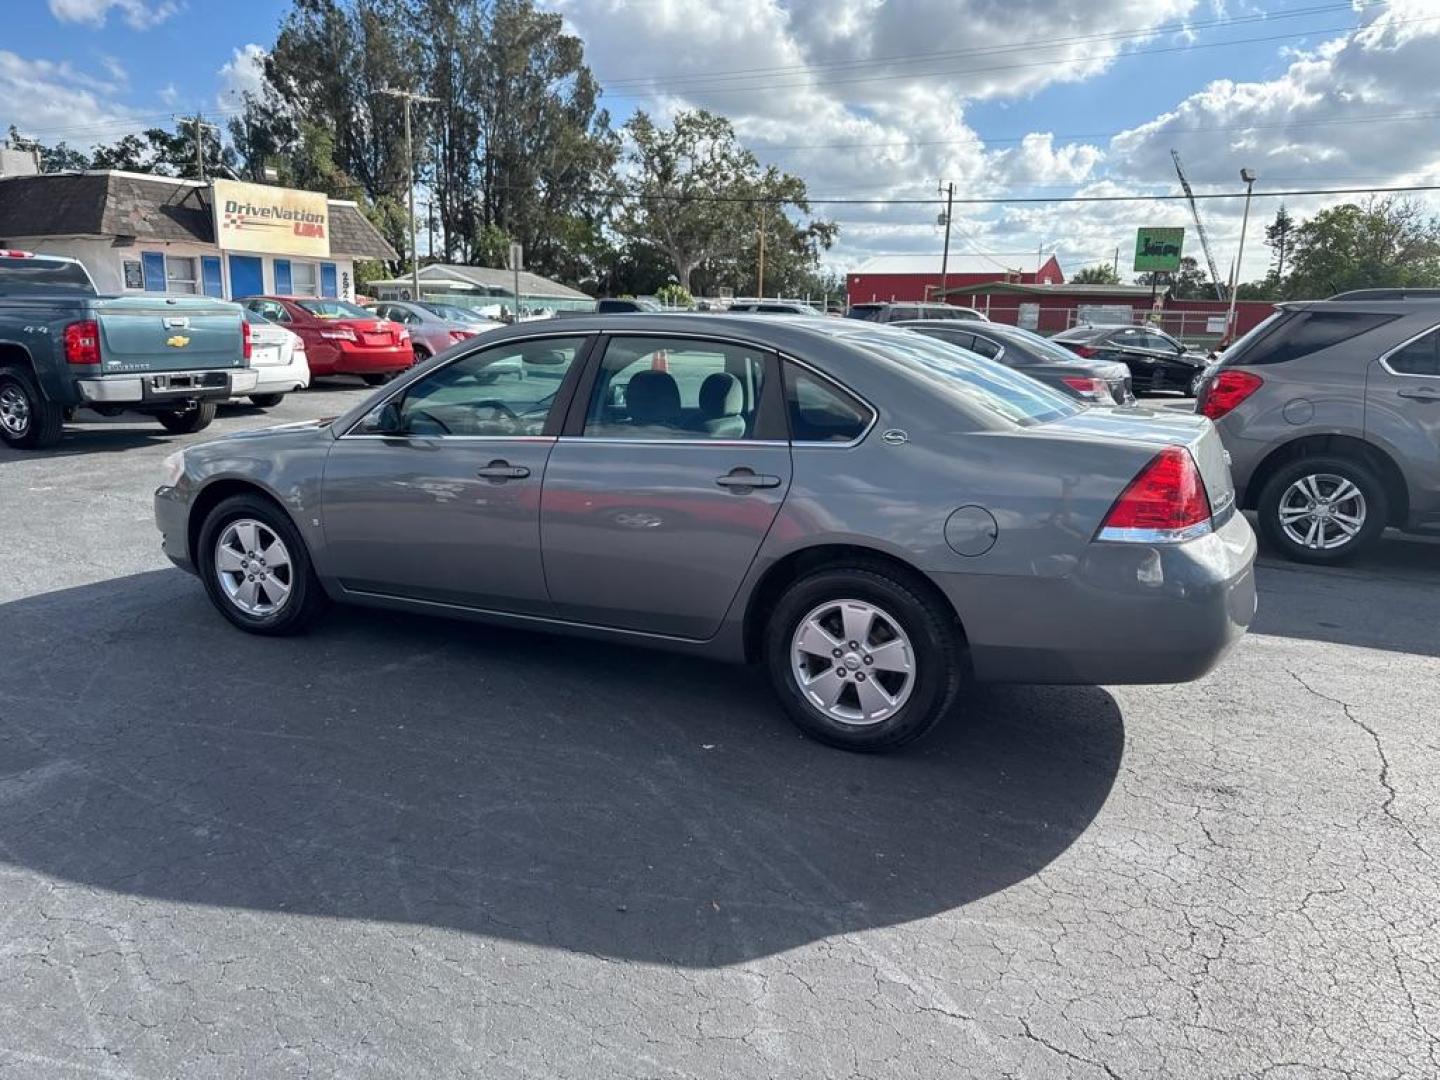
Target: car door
[435,494]
[1402,411]
[672,467]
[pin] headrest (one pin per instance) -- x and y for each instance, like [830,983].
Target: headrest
[721,395]
[653,397]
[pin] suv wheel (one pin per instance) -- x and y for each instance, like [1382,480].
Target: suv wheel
[256,568]
[1323,509]
[27,420]
[188,421]
[861,659]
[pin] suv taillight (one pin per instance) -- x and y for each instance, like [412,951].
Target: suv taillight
[246,348]
[1166,503]
[1227,389]
[82,342]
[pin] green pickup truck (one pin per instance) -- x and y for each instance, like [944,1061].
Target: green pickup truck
[64,347]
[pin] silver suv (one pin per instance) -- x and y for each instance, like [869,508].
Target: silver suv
[1330,410]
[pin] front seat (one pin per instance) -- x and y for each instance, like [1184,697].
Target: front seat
[721,400]
[652,399]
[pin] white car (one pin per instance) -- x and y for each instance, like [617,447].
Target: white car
[278,357]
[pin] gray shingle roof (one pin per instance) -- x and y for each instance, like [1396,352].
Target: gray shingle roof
[503,280]
[122,204]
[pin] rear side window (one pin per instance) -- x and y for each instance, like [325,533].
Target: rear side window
[820,411]
[1420,357]
[1301,333]
[43,274]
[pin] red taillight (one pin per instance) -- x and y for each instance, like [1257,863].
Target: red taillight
[1166,502]
[13,253]
[82,342]
[1082,384]
[461,335]
[245,346]
[1229,388]
[1086,351]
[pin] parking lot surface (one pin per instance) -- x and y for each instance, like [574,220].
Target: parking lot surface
[400,847]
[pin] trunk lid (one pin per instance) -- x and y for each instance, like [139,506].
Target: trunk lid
[370,333]
[1157,429]
[168,333]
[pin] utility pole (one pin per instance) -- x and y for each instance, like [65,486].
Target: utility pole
[1248,177]
[760,275]
[198,121]
[1116,266]
[948,190]
[410,97]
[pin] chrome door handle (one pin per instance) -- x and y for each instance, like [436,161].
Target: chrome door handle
[502,470]
[1421,393]
[744,478]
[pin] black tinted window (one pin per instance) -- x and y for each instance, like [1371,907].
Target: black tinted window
[868,312]
[1301,333]
[1420,357]
[42,274]
[820,411]
[985,347]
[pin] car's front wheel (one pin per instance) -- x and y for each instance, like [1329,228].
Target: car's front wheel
[188,421]
[1323,509]
[256,568]
[266,401]
[863,658]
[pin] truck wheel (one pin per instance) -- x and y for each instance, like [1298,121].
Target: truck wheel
[188,421]
[266,401]
[27,420]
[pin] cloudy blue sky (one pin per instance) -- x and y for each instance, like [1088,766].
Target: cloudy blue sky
[885,98]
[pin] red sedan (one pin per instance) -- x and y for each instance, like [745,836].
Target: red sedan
[340,338]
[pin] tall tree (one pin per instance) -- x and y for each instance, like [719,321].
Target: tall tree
[1099,274]
[1279,236]
[1190,283]
[1381,242]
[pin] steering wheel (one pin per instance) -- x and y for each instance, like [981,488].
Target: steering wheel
[498,410]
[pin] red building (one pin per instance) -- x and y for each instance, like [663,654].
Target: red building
[917,277]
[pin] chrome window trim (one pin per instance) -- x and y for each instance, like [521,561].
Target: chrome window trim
[351,433]
[1385,357]
[606,440]
[460,438]
[874,412]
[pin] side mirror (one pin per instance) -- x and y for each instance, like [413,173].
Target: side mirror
[385,420]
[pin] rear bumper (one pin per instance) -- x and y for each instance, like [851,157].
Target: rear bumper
[1129,613]
[167,387]
[372,361]
[281,378]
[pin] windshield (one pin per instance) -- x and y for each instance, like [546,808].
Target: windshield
[335,309]
[454,313]
[968,378]
[1038,344]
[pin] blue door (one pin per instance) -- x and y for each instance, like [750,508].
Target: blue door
[153,264]
[283,287]
[210,276]
[247,276]
[328,286]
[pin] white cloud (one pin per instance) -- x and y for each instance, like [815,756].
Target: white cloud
[243,73]
[54,102]
[139,14]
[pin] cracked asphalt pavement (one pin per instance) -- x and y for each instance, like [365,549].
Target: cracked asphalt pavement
[402,847]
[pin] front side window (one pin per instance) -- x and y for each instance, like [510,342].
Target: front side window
[1420,357]
[180,274]
[676,388]
[504,391]
[820,411]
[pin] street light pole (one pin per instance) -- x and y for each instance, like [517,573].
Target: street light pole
[409,97]
[1248,176]
[948,190]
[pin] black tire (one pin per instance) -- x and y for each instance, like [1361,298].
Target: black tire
[378,380]
[29,421]
[1375,503]
[306,599]
[421,354]
[266,401]
[936,644]
[187,421]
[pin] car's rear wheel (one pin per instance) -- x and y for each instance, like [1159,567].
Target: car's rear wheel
[256,568]
[379,379]
[1323,509]
[187,421]
[27,420]
[862,658]
[421,354]
[266,401]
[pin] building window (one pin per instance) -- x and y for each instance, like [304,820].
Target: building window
[180,276]
[304,279]
[134,274]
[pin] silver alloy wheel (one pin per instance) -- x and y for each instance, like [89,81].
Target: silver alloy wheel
[852,662]
[1322,511]
[14,410]
[253,567]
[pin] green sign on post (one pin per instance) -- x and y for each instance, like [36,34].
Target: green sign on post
[1158,249]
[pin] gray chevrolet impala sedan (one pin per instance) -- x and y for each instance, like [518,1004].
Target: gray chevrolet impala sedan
[875,516]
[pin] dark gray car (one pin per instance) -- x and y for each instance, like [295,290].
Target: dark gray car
[1330,410]
[874,515]
[1101,382]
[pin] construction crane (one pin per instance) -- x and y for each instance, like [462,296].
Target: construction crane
[1199,228]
